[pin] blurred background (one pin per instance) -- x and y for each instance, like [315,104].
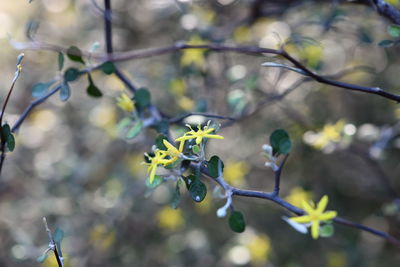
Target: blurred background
[73,166]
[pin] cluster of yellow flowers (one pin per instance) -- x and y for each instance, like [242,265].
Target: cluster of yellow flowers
[172,154]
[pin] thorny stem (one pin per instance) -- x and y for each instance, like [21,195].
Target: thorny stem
[53,244]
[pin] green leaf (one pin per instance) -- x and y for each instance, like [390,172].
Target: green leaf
[75,54]
[280,142]
[40,89]
[71,74]
[176,197]
[196,149]
[92,89]
[60,61]
[237,222]
[394,31]
[135,130]
[159,142]
[162,127]
[156,182]
[10,140]
[123,123]
[65,91]
[198,190]
[142,98]
[386,43]
[213,166]
[42,258]
[58,235]
[327,230]
[108,67]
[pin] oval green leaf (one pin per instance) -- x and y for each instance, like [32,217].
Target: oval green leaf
[237,222]
[71,74]
[198,190]
[280,142]
[75,54]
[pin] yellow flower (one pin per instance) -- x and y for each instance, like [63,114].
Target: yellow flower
[125,103]
[234,172]
[330,133]
[170,219]
[315,215]
[260,249]
[101,237]
[193,56]
[172,151]
[298,195]
[158,159]
[199,134]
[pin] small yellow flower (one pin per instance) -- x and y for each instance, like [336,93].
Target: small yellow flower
[172,151]
[315,215]
[170,219]
[125,103]
[297,195]
[158,159]
[193,56]
[199,134]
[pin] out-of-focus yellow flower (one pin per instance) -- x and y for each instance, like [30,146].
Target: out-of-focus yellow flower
[170,219]
[52,262]
[193,56]
[206,15]
[101,237]
[204,206]
[178,87]
[125,103]
[315,215]
[199,134]
[105,116]
[312,54]
[133,163]
[297,195]
[393,2]
[186,103]
[234,172]
[260,249]
[242,34]
[336,259]
[330,133]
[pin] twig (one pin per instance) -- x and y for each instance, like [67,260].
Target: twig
[275,198]
[32,106]
[53,245]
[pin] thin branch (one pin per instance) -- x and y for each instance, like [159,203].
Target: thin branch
[109,44]
[53,245]
[251,50]
[275,198]
[387,10]
[32,106]
[278,173]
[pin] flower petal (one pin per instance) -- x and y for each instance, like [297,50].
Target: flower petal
[321,206]
[153,173]
[301,219]
[307,207]
[315,230]
[328,215]
[214,136]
